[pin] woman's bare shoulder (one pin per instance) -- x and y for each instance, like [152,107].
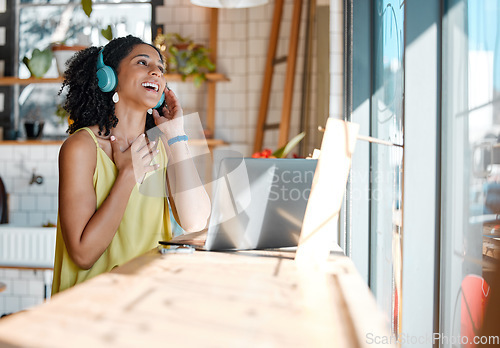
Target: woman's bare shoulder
[79,146]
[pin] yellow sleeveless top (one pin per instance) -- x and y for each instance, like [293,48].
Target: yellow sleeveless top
[146,221]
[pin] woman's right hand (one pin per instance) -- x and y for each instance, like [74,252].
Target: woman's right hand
[136,158]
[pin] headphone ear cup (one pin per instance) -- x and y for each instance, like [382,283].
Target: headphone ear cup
[160,103]
[106,78]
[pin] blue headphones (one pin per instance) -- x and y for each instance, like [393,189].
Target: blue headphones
[107,79]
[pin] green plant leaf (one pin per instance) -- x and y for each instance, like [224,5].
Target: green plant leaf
[87,7]
[198,79]
[107,33]
[40,62]
[282,152]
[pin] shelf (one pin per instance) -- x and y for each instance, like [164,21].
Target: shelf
[10,81]
[31,142]
[196,142]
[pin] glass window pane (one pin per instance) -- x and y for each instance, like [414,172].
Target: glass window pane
[388,84]
[385,228]
[386,161]
[37,26]
[471,163]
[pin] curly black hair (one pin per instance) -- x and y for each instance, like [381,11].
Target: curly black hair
[85,102]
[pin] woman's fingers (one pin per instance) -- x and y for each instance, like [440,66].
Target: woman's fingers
[138,143]
[151,168]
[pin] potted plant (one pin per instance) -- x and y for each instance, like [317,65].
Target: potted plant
[282,152]
[33,125]
[185,57]
[39,63]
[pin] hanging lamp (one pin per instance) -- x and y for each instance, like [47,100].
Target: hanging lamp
[229,3]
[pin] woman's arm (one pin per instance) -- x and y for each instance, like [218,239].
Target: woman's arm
[87,232]
[191,203]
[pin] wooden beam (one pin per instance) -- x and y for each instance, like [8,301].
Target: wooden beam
[290,74]
[268,76]
[212,88]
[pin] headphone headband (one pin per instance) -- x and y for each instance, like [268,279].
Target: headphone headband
[100,59]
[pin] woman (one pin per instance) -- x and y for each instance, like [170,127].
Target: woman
[104,218]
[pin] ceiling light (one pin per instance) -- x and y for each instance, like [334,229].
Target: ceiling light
[229,3]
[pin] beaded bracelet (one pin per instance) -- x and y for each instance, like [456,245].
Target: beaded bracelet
[176,139]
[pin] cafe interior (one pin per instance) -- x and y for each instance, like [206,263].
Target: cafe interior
[349,149]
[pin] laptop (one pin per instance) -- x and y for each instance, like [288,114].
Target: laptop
[258,203]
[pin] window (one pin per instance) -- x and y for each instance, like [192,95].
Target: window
[374,193]
[41,22]
[471,163]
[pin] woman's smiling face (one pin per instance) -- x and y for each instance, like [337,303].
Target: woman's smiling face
[140,76]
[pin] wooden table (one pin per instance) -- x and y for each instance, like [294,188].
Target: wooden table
[206,299]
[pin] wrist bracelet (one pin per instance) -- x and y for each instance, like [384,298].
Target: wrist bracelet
[176,139]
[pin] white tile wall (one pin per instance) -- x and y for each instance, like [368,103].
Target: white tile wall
[30,205]
[242,49]
[336,58]
[24,289]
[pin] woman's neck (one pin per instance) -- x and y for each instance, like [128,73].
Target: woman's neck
[130,125]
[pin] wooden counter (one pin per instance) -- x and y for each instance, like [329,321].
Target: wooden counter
[206,299]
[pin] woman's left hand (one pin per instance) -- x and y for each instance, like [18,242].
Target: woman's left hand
[171,123]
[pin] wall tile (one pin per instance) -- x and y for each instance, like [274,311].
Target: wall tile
[36,153]
[337,23]
[36,219]
[52,153]
[336,105]
[224,101]
[337,42]
[44,203]
[36,288]
[164,14]
[19,287]
[172,3]
[18,218]
[239,30]
[28,203]
[172,27]
[239,66]
[51,185]
[257,47]
[2,302]
[20,152]
[225,32]
[181,15]
[199,14]
[3,168]
[336,63]
[239,100]
[260,13]
[337,84]
[8,286]
[6,152]
[10,273]
[189,30]
[12,304]
[50,217]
